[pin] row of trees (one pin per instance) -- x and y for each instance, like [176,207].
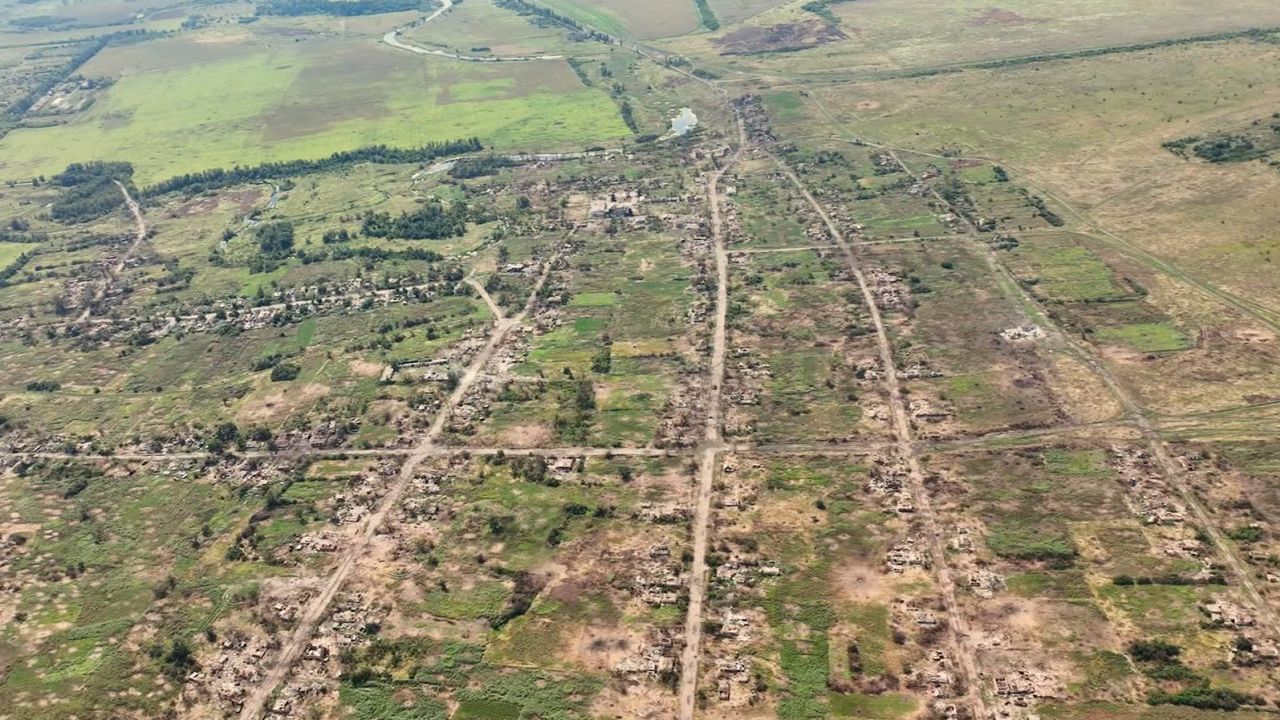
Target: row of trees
[19,107]
[378,154]
[468,168]
[548,17]
[343,8]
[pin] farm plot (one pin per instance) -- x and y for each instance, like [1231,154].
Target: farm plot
[881,37]
[115,565]
[237,379]
[663,18]
[769,214]
[1150,330]
[965,377]
[1098,587]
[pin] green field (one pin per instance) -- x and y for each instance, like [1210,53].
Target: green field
[310,101]
[10,252]
[655,19]
[1146,337]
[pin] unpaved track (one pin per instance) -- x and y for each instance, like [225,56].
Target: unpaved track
[957,622]
[257,699]
[392,38]
[139,237]
[484,295]
[713,442]
[139,223]
[1173,472]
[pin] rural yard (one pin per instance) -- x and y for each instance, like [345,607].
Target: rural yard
[608,360]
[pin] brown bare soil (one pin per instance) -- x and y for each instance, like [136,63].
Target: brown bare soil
[999,16]
[790,37]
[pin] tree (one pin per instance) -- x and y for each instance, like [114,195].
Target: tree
[285,371]
[275,239]
[585,396]
[603,360]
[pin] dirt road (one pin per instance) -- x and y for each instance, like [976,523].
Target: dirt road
[1159,450]
[957,622]
[484,295]
[139,236]
[713,442]
[392,38]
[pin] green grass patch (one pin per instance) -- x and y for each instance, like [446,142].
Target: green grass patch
[306,102]
[1077,463]
[1165,611]
[487,710]
[379,702]
[1145,337]
[1030,541]
[594,299]
[873,637]
[485,600]
[10,252]
[1065,272]
[871,707]
[1060,585]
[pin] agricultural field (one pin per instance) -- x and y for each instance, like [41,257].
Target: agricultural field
[604,360]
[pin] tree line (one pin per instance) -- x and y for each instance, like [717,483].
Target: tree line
[548,17]
[19,107]
[377,154]
[343,8]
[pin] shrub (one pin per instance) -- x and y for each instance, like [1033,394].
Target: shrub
[284,372]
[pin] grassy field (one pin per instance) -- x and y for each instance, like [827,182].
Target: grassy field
[472,26]
[312,100]
[660,18]
[882,36]
[10,252]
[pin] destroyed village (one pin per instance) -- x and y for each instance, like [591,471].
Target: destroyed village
[623,360]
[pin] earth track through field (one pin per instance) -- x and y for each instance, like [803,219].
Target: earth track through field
[392,39]
[958,623]
[712,439]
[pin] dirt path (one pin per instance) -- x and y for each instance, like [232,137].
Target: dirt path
[139,237]
[392,38]
[256,701]
[713,443]
[484,295]
[1172,471]
[140,226]
[958,623]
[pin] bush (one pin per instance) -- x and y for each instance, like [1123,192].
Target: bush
[284,372]
[1154,651]
[1246,534]
[1205,697]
